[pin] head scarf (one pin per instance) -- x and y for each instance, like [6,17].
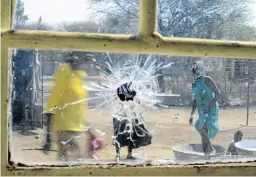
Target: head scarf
[125,93]
[198,69]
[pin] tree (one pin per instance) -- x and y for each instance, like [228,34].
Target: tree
[39,25]
[85,27]
[20,17]
[120,16]
[178,18]
[211,19]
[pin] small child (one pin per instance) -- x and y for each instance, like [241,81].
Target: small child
[232,150]
[94,143]
[129,126]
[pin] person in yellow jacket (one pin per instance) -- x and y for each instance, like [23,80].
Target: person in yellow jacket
[66,111]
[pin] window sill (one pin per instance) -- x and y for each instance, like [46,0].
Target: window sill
[234,169]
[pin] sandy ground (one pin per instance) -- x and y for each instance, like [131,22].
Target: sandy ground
[167,131]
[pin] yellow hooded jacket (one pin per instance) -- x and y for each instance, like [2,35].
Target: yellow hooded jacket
[67,100]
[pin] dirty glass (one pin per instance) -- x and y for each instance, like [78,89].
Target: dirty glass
[92,16]
[72,108]
[226,19]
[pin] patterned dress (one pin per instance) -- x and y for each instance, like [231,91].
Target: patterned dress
[129,128]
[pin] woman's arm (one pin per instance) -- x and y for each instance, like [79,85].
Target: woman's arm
[211,84]
[193,107]
[192,112]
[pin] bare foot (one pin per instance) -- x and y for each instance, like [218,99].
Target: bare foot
[131,158]
[212,152]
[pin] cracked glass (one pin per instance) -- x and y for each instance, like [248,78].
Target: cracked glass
[72,108]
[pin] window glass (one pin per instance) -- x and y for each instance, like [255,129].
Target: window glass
[227,19]
[81,107]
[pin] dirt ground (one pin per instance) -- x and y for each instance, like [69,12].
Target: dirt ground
[168,127]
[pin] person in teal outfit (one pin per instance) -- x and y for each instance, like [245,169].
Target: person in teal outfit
[206,94]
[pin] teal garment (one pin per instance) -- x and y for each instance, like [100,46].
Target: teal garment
[204,95]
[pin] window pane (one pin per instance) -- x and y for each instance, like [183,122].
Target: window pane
[154,122]
[97,16]
[227,19]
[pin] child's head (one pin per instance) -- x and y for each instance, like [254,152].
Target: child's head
[77,60]
[125,93]
[238,136]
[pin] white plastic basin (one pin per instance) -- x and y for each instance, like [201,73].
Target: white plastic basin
[193,152]
[246,147]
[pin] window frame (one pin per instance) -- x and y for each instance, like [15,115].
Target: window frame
[148,40]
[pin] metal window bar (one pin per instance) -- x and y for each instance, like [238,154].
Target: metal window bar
[147,41]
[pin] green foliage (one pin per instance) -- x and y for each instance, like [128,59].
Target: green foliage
[212,19]
[20,17]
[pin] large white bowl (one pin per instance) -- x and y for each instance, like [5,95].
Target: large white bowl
[194,152]
[246,147]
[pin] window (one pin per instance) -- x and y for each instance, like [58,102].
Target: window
[161,74]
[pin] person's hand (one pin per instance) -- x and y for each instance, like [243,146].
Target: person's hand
[206,110]
[92,134]
[191,120]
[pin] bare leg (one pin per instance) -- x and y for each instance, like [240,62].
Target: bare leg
[116,127]
[117,154]
[129,154]
[207,146]
[62,154]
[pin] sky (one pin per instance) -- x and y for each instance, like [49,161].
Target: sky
[70,10]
